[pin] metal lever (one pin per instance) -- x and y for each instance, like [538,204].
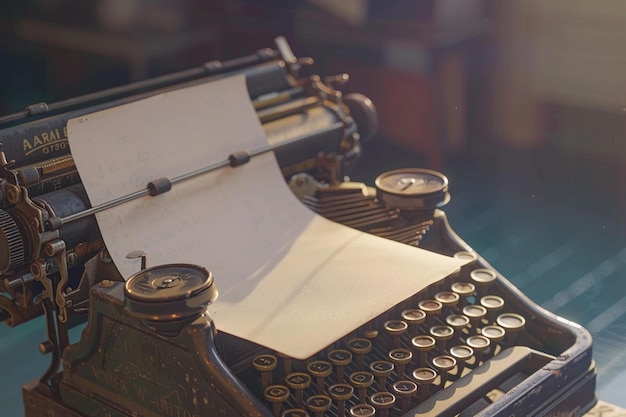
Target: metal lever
[294,64]
[137,254]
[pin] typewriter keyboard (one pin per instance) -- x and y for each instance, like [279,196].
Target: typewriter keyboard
[405,358]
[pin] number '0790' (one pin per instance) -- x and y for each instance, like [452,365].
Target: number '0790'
[54,147]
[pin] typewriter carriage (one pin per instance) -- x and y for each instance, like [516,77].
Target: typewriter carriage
[309,125]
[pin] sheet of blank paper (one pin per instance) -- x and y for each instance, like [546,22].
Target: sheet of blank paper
[288,279]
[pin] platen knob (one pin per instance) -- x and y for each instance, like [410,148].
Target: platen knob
[170,292]
[364,114]
[413,189]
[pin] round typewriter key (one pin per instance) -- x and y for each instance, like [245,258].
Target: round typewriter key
[458,321]
[341,393]
[462,354]
[493,304]
[469,257]
[422,344]
[294,412]
[513,323]
[360,347]
[400,357]
[381,370]
[370,334]
[448,299]
[362,410]
[265,364]
[441,334]
[444,364]
[340,358]
[432,308]
[464,290]
[276,395]
[482,278]
[480,345]
[361,380]
[466,256]
[320,370]
[319,404]
[413,317]
[395,329]
[495,334]
[405,389]
[460,324]
[424,377]
[383,401]
[474,312]
[298,382]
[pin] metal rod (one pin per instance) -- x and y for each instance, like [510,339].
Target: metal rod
[187,176]
[200,171]
[210,68]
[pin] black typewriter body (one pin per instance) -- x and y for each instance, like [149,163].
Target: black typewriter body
[469,345]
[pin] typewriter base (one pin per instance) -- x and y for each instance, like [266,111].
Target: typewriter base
[574,400]
[568,403]
[39,403]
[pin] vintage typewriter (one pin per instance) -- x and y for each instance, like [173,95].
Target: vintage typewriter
[470,344]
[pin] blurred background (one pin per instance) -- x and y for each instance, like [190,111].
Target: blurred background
[521,103]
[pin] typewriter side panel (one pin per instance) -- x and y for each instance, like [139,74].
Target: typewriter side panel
[125,366]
